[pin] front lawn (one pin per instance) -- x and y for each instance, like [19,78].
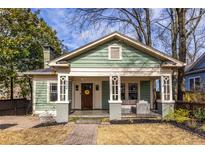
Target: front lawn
[43,135]
[145,134]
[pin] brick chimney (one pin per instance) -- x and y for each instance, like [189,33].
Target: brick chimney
[48,55]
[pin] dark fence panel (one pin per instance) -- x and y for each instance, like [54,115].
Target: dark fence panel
[15,107]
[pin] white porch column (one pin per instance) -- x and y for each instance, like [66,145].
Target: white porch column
[115,98]
[166,104]
[62,105]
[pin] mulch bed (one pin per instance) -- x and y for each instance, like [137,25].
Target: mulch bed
[135,121]
[184,126]
[192,130]
[48,124]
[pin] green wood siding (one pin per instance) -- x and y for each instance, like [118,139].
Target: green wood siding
[41,101]
[145,90]
[105,95]
[98,57]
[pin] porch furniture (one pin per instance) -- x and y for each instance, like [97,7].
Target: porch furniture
[143,107]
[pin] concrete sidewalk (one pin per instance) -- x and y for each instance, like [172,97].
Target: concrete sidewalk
[18,122]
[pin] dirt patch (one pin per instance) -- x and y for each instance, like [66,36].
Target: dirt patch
[155,133]
[43,135]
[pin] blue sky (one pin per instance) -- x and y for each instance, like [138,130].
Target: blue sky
[57,19]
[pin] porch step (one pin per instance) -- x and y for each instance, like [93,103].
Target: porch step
[89,121]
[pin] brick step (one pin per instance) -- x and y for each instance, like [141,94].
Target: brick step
[88,121]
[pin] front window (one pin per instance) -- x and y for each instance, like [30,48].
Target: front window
[132,91]
[191,82]
[53,92]
[195,84]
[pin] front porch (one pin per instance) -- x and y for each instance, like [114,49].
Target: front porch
[114,96]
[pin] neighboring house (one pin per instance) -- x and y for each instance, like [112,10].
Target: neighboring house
[195,75]
[111,73]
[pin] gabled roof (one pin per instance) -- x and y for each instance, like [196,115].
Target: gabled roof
[199,60]
[124,38]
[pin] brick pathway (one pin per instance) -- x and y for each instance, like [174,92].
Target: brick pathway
[83,134]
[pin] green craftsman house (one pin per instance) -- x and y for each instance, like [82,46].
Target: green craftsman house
[114,74]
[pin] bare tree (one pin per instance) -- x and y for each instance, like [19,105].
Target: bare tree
[178,29]
[136,21]
[195,44]
[182,26]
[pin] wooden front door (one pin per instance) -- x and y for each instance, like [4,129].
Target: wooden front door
[87,95]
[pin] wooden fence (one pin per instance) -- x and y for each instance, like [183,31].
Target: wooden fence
[15,107]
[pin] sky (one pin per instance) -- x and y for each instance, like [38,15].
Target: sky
[72,38]
[57,19]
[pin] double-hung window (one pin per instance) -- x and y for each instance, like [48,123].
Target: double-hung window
[195,84]
[53,94]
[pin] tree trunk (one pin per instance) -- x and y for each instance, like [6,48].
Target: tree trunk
[182,50]
[11,88]
[31,90]
[174,35]
[148,26]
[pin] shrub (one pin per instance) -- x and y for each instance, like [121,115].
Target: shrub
[195,97]
[200,114]
[179,115]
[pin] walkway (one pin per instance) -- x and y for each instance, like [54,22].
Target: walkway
[83,134]
[18,122]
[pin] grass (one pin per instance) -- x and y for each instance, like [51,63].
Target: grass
[145,134]
[43,135]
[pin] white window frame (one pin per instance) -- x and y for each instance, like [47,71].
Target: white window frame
[194,82]
[48,91]
[109,52]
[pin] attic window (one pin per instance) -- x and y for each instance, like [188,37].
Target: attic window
[115,53]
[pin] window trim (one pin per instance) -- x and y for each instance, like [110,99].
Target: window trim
[48,91]
[109,52]
[194,82]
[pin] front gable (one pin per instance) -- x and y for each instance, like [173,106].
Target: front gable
[134,53]
[99,58]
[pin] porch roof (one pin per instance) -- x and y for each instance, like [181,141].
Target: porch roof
[46,71]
